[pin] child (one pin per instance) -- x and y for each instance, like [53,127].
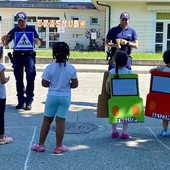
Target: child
[120,58]
[166,68]
[59,76]
[3,139]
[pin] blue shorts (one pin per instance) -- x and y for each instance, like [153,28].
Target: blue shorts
[57,106]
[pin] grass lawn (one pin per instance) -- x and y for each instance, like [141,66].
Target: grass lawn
[101,55]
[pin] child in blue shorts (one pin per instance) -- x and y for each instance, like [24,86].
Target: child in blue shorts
[59,76]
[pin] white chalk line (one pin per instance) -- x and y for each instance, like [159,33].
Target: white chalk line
[158,139]
[19,127]
[29,149]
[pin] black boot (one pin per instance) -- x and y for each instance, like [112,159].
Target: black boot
[20,105]
[28,106]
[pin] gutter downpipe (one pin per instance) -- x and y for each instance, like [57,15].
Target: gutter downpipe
[109,11]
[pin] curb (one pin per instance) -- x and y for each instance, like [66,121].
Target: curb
[92,65]
[96,61]
[82,70]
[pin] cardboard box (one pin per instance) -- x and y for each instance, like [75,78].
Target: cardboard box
[102,106]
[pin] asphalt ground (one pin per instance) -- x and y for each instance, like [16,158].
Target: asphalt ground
[88,137]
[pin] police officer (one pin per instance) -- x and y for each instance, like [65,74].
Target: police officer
[24,37]
[127,38]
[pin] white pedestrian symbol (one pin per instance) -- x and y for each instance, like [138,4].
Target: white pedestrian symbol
[24,42]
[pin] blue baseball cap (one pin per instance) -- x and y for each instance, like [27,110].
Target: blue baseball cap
[21,16]
[125,15]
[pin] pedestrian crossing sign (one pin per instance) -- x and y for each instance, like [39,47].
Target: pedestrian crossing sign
[24,41]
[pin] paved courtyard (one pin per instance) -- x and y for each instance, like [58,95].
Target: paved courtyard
[88,137]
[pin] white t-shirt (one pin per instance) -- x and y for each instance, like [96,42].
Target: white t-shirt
[59,77]
[166,69]
[2,86]
[122,70]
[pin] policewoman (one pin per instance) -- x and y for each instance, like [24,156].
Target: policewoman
[24,37]
[127,37]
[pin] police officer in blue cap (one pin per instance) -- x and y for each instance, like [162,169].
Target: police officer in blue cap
[122,37]
[24,37]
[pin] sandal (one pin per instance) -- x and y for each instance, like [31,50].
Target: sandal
[61,149]
[6,140]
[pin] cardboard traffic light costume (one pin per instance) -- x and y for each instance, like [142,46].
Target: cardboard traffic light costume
[125,104]
[157,101]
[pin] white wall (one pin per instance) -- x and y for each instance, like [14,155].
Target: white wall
[8,22]
[141,20]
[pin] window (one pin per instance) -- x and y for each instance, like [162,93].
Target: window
[31,19]
[160,84]
[162,35]
[48,18]
[53,36]
[94,20]
[124,87]
[42,36]
[159,37]
[159,27]
[158,47]
[74,18]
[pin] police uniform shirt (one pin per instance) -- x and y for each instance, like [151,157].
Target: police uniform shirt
[128,34]
[17,29]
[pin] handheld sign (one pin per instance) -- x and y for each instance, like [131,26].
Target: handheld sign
[157,101]
[24,41]
[125,105]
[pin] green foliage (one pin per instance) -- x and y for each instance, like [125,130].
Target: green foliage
[147,56]
[101,55]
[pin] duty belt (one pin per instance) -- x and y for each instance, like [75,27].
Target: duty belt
[23,53]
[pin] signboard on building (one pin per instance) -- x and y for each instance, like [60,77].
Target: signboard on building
[62,23]
[61,30]
[93,35]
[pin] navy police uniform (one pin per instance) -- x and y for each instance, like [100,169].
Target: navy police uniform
[24,59]
[128,34]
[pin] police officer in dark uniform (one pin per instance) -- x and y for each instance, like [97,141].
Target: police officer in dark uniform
[127,37]
[24,37]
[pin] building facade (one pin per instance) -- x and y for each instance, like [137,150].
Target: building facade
[150,18]
[79,24]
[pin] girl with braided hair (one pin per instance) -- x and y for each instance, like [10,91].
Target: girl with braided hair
[59,77]
[120,59]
